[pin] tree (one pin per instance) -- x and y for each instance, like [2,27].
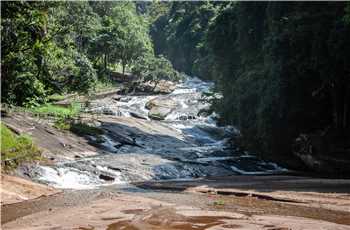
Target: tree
[281,67]
[123,36]
[180,33]
[40,50]
[23,39]
[154,69]
[133,39]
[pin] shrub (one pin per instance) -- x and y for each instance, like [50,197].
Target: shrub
[16,149]
[154,69]
[57,111]
[85,129]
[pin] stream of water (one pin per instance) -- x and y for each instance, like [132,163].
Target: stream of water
[199,149]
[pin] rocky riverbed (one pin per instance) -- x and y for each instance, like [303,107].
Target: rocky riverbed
[161,164]
[153,137]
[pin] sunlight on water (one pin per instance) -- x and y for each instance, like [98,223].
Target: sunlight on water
[208,153]
[70,178]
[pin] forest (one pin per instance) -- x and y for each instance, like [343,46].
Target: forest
[282,68]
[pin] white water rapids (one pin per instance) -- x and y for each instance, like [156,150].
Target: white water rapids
[201,151]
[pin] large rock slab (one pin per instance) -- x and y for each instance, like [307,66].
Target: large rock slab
[159,108]
[53,142]
[15,189]
[136,212]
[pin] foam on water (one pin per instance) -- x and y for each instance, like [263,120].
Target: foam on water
[67,178]
[276,169]
[208,148]
[71,178]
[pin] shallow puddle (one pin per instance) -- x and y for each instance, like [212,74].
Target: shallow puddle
[133,211]
[168,219]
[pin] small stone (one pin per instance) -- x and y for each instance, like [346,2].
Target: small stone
[117,97]
[106,177]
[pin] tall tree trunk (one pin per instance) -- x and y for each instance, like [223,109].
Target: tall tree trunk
[124,65]
[346,122]
[341,105]
[105,63]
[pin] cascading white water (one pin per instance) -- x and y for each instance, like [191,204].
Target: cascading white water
[206,153]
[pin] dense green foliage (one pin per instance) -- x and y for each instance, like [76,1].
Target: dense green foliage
[154,69]
[180,34]
[61,47]
[16,149]
[282,67]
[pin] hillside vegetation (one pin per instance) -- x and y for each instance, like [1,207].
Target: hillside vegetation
[282,68]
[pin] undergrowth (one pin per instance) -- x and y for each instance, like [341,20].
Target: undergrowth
[16,149]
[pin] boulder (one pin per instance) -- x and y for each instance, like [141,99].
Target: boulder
[138,87]
[106,177]
[161,102]
[159,113]
[162,87]
[125,99]
[186,117]
[117,97]
[159,108]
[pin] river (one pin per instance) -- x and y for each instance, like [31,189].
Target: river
[183,146]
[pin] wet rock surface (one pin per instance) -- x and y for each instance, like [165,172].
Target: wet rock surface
[162,87]
[149,87]
[182,146]
[169,211]
[159,108]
